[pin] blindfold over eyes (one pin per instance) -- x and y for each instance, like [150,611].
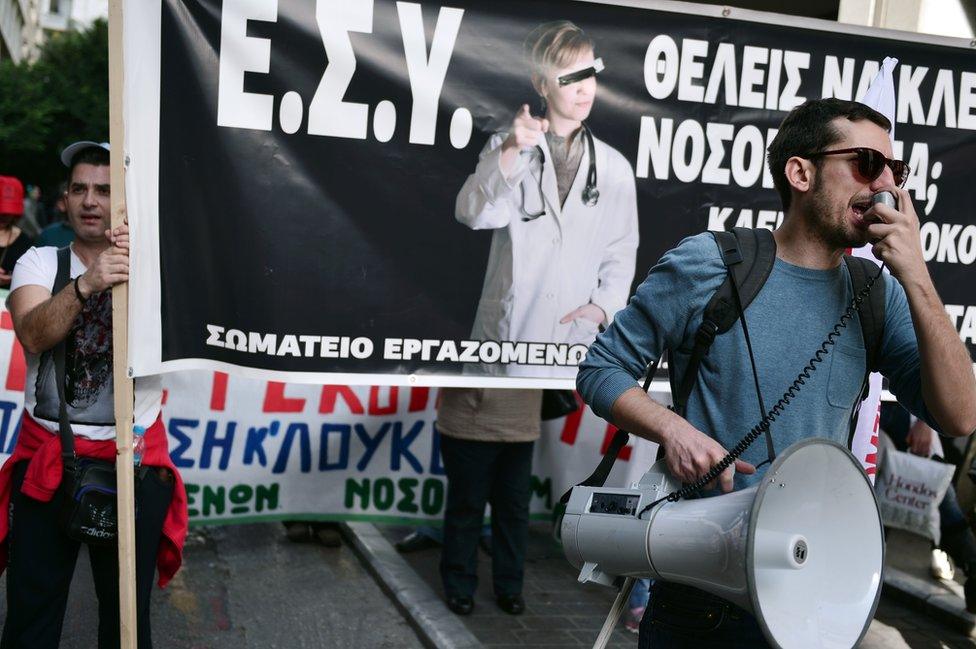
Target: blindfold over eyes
[579,75]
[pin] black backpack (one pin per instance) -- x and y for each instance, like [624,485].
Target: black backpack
[749,255]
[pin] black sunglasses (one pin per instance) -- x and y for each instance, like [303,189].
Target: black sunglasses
[871,163]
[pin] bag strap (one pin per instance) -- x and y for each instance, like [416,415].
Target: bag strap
[620,438]
[871,312]
[871,315]
[749,256]
[68,458]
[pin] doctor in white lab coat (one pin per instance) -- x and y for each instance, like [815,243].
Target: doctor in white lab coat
[561,263]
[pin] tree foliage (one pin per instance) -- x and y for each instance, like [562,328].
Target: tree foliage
[46,105]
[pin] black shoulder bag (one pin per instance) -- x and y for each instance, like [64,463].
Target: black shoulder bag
[89,511]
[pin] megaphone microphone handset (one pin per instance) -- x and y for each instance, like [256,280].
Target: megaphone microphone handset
[885,198]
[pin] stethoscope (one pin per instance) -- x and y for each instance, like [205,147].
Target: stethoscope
[590,193]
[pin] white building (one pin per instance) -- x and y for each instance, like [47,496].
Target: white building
[64,15]
[943,17]
[19,37]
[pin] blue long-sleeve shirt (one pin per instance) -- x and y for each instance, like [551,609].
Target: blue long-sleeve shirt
[788,319]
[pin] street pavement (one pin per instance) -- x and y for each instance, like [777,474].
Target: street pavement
[247,587]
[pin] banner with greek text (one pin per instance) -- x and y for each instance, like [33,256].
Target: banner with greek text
[322,191]
[253,450]
[257,450]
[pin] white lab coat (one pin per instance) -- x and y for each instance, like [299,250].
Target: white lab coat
[542,269]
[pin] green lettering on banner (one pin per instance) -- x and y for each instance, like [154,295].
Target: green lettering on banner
[240,496]
[266,496]
[408,502]
[542,489]
[383,494]
[215,498]
[354,489]
[191,491]
[432,496]
[243,498]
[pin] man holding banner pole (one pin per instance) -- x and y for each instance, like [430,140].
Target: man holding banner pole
[829,158]
[72,400]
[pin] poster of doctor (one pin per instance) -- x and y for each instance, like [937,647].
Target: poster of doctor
[562,208]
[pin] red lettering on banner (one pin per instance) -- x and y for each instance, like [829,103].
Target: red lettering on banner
[164,398]
[276,401]
[331,393]
[218,393]
[17,370]
[624,453]
[572,424]
[374,401]
[418,399]
[871,459]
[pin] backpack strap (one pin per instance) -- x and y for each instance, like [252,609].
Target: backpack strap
[62,279]
[748,255]
[871,315]
[871,311]
[620,438]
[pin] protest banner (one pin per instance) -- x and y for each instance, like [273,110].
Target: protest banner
[304,198]
[253,450]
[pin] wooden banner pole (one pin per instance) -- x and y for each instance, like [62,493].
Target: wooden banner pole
[120,343]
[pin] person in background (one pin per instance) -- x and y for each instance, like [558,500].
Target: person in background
[487,440]
[425,537]
[58,232]
[32,221]
[13,241]
[912,435]
[325,532]
[637,604]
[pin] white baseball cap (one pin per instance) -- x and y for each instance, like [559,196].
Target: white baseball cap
[72,149]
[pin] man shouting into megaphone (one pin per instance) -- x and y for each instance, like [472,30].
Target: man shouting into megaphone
[828,161]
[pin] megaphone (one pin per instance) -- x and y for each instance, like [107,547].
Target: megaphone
[803,550]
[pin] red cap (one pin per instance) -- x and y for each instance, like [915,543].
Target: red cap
[11,196]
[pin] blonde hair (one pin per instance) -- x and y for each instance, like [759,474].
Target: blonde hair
[555,45]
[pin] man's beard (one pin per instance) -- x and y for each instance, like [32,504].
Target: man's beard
[829,221]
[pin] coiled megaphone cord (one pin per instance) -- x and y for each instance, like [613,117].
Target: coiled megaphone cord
[777,408]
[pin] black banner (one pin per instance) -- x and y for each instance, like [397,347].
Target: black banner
[311,156]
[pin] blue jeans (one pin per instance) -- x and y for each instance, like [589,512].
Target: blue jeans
[682,617]
[639,594]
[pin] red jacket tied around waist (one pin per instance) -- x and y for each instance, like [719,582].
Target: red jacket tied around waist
[42,449]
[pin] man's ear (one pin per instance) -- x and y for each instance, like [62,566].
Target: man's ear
[800,173]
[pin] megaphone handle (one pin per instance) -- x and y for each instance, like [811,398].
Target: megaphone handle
[614,615]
